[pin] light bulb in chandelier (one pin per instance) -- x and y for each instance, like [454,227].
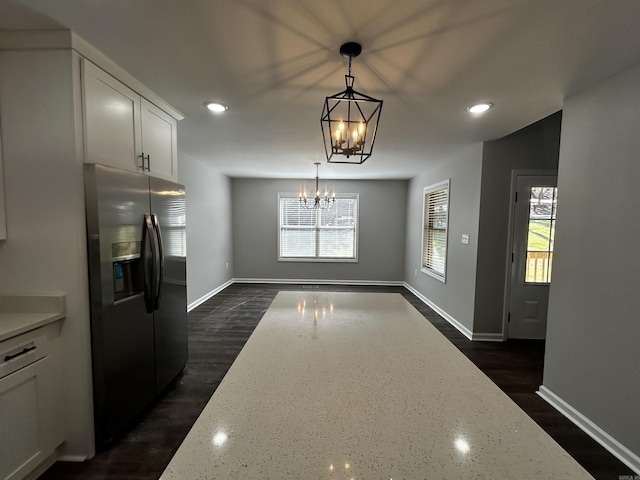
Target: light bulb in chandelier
[358,137]
[340,134]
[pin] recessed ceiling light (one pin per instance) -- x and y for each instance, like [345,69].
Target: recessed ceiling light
[479,108]
[216,107]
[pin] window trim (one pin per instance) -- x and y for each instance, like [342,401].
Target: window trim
[354,259]
[445,184]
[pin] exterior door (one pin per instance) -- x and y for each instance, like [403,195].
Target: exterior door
[533,232]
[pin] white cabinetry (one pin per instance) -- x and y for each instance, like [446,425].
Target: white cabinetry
[30,409]
[42,128]
[111,119]
[3,215]
[123,129]
[159,133]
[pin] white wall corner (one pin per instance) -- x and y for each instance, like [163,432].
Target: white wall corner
[614,447]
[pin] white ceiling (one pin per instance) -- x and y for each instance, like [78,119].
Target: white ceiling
[274,61]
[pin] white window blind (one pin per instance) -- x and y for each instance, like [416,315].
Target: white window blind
[315,234]
[435,231]
[174,226]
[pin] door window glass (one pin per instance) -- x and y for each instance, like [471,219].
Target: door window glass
[541,231]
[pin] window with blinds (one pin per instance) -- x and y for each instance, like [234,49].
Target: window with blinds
[435,231]
[174,226]
[315,234]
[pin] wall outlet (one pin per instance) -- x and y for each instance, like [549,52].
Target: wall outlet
[226,265]
[415,272]
[465,239]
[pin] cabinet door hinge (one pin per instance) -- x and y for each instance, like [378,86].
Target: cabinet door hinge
[509,317]
[516,199]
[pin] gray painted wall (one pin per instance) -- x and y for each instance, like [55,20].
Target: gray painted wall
[456,296]
[592,355]
[209,241]
[534,147]
[381,232]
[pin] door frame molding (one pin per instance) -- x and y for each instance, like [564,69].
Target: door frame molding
[507,272]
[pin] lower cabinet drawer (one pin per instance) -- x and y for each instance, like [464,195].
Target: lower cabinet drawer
[29,423]
[20,351]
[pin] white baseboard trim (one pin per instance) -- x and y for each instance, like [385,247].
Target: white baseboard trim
[302,281]
[461,328]
[73,458]
[207,296]
[618,450]
[487,337]
[484,337]
[312,281]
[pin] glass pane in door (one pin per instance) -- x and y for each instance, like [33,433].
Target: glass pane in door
[541,230]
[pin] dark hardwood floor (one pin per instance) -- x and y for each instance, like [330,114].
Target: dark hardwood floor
[219,328]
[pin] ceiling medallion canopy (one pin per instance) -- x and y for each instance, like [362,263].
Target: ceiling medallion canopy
[320,201]
[350,119]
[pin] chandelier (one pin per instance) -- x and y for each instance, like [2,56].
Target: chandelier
[319,201]
[349,119]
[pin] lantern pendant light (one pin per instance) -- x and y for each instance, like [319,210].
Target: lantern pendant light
[350,119]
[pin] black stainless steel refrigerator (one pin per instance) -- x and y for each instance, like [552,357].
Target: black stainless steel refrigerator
[136,236]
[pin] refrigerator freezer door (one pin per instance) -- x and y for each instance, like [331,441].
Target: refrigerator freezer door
[169,210]
[122,330]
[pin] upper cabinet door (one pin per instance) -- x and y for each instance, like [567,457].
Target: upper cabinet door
[3,214]
[111,120]
[159,141]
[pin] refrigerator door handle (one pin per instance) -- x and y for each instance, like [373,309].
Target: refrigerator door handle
[150,268]
[160,261]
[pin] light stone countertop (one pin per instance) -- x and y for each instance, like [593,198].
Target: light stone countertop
[22,313]
[341,385]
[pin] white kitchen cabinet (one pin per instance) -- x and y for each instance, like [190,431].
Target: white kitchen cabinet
[123,129]
[159,141]
[30,405]
[3,214]
[42,124]
[111,119]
